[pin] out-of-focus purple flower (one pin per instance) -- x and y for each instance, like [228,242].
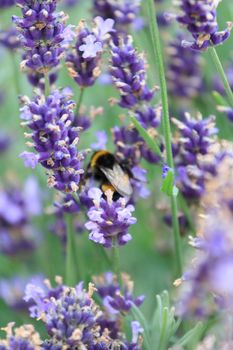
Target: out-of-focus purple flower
[129,74]
[24,337]
[183,222]
[192,152]
[5,142]
[10,38]
[228,111]
[199,17]
[70,3]
[32,196]
[113,299]
[122,12]
[6,3]
[16,207]
[184,77]
[136,331]
[109,221]
[38,79]
[54,139]
[12,290]
[148,117]
[83,61]
[30,159]
[208,283]
[102,139]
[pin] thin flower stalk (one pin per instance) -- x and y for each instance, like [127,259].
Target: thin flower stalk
[166,125]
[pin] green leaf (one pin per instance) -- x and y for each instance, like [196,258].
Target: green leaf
[194,333]
[164,324]
[220,100]
[168,186]
[151,143]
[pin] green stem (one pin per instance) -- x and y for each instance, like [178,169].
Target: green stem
[47,84]
[16,73]
[116,262]
[166,124]
[80,99]
[219,67]
[70,252]
[162,338]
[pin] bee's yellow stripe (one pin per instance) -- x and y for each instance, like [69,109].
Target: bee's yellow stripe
[106,187]
[96,157]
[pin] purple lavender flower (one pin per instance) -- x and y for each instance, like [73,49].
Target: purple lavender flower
[12,290]
[70,315]
[44,36]
[54,139]
[16,208]
[199,16]
[38,79]
[83,61]
[110,292]
[128,144]
[129,76]
[123,12]
[184,75]
[74,320]
[193,154]
[4,142]
[21,338]
[109,220]
[10,39]
[208,283]
[6,3]
[128,73]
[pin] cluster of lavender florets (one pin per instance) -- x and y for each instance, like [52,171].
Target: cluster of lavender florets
[54,139]
[207,285]
[199,17]
[73,318]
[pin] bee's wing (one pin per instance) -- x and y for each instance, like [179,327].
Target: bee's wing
[119,179]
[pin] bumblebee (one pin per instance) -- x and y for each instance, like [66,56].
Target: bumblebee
[105,168]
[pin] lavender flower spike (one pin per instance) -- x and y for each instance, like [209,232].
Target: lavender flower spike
[54,139]
[129,74]
[199,16]
[84,60]
[109,220]
[43,33]
[123,12]
[24,337]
